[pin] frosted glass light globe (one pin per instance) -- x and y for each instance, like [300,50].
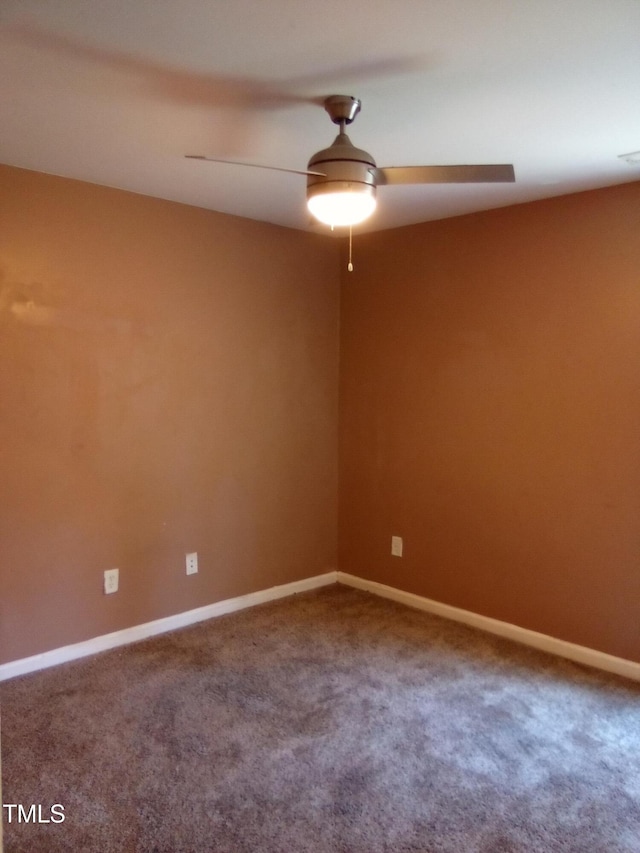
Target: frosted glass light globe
[346,207]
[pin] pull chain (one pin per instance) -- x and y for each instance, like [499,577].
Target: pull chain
[350,265]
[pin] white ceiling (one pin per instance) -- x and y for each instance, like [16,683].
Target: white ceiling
[116,92]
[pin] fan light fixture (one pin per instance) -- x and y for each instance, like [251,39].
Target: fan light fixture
[341,202]
[341,187]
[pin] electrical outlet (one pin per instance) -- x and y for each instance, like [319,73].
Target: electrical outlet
[111,581]
[396,546]
[192,563]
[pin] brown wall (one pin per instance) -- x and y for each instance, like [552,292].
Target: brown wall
[490,414]
[168,383]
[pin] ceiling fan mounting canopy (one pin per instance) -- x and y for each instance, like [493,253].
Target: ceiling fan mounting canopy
[342,108]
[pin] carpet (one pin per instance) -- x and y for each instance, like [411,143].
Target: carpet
[332,721]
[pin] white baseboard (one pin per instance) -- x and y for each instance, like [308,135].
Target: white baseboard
[159,626]
[561,648]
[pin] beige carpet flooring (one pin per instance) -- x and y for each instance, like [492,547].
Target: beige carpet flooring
[333,722]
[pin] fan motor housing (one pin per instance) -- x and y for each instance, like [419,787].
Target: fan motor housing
[342,163]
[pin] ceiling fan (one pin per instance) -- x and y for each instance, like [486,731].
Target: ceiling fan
[342,180]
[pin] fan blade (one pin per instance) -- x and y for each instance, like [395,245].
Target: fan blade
[241,97]
[174,84]
[485,174]
[254,165]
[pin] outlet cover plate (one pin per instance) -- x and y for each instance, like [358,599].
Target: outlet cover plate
[111,581]
[396,546]
[192,563]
